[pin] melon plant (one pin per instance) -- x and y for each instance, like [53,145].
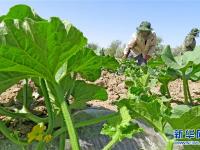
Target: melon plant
[51,53]
[186,67]
[156,110]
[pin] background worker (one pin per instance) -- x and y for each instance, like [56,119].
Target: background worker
[190,41]
[143,43]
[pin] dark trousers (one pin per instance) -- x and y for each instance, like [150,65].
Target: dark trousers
[140,60]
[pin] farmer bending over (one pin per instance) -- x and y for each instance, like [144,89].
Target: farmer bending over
[142,44]
[190,41]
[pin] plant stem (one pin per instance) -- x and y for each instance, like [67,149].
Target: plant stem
[87,123]
[169,142]
[167,90]
[35,118]
[147,120]
[185,87]
[40,146]
[170,145]
[27,115]
[48,106]
[25,94]
[67,118]
[59,132]
[188,91]
[24,147]
[10,136]
[114,140]
[62,139]
[95,120]
[161,132]
[70,127]
[69,92]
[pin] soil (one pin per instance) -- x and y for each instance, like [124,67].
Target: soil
[176,90]
[117,89]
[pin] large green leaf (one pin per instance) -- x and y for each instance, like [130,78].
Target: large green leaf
[193,56]
[179,110]
[188,120]
[151,109]
[89,65]
[37,48]
[182,61]
[151,112]
[21,12]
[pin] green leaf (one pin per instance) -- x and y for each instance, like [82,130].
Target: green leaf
[137,90]
[188,120]
[66,83]
[144,80]
[152,112]
[154,63]
[109,63]
[126,118]
[21,12]
[169,59]
[129,83]
[83,92]
[192,56]
[179,110]
[184,61]
[89,65]
[1,18]
[122,128]
[7,79]
[163,90]
[167,75]
[194,74]
[151,109]
[38,48]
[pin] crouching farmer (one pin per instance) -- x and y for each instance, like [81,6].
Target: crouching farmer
[143,43]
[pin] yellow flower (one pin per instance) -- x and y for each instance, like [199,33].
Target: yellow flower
[48,138]
[36,133]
